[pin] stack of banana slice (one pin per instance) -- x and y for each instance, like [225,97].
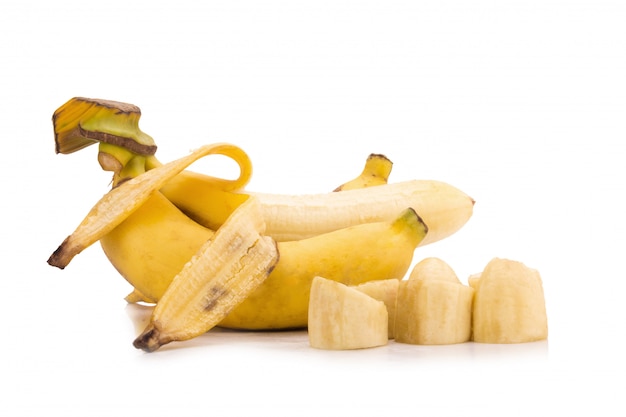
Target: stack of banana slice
[207,252]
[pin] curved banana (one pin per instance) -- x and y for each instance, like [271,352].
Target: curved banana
[357,254]
[151,246]
[444,208]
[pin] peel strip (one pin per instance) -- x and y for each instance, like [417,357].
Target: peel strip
[116,205]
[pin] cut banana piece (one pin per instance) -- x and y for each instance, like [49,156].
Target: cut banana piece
[473,279]
[341,317]
[385,290]
[434,268]
[433,307]
[433,312]
[227,269]
[509,305]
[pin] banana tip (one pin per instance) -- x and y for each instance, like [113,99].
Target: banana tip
[60,257]
[150,340]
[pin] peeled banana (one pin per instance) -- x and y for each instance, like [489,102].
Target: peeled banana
[341,317]
[509,305]
[353,255]
[444,208]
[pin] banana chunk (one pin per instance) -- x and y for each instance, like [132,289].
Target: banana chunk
[509,305]
[341,317]
[434,268]
[433,306]
[385,290]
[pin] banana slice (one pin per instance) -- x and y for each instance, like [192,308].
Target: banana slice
[434,268]
[341,317]
[385,290]
[509,305]
[433,307]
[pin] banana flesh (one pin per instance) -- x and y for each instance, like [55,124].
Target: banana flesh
[433,306]
[444,208]
[509,304]
[224,271]
[433,312]
[341,317]
[386,291]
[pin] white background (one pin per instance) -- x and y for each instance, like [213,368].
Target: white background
[521,104]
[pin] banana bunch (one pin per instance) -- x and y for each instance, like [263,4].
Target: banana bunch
[185,240]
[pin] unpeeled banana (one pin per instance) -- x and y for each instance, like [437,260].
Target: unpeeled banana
[353,255]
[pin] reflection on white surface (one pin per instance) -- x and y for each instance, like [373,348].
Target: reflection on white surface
[297,341]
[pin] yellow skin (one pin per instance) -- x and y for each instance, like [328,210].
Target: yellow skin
[376,172]
[151,246]
[367,252]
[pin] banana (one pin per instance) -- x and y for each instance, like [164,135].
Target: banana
[444,208]
[224,271]
[353,255]
[352,236]
[372,251]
